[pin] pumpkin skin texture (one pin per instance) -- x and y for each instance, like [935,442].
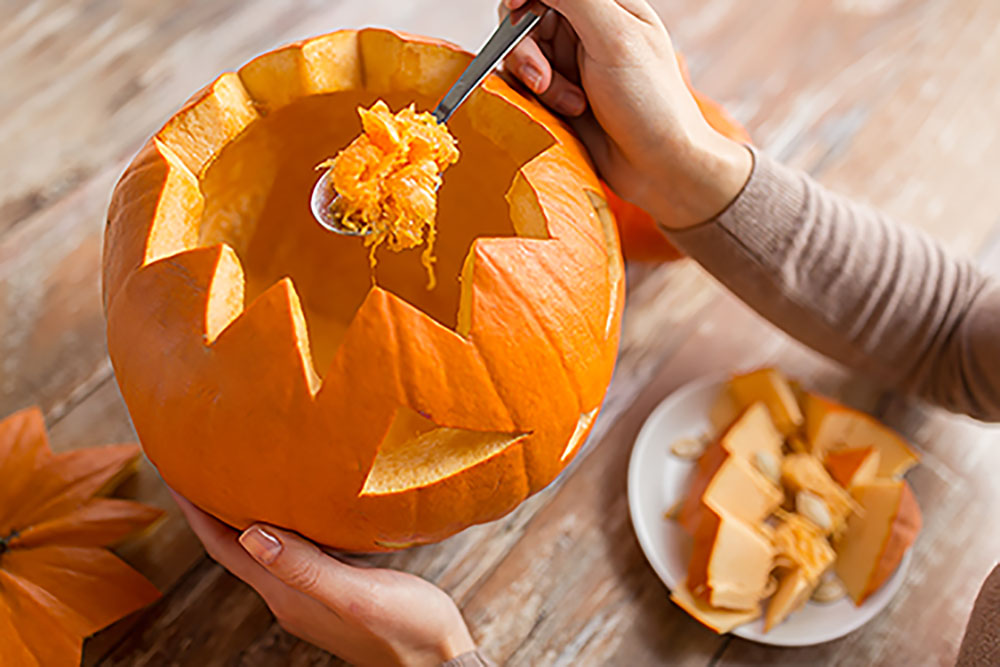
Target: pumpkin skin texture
[270,380]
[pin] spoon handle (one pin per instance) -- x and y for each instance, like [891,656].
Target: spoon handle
[511,31]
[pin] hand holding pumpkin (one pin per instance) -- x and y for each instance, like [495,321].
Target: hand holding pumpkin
[366,616]
[650,141]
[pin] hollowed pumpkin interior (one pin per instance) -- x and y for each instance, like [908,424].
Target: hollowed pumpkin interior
[257,201]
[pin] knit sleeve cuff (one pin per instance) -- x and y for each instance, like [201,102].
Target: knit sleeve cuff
[761,220]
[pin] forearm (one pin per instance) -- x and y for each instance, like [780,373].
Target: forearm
[981,644]
[879,297]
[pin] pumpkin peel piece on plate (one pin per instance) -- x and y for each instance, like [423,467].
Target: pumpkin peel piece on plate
[830,426]
[714,618]
[58,581]
[875,542]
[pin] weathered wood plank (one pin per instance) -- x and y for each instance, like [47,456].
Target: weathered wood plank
[889,102]
[184,632]
[52,349]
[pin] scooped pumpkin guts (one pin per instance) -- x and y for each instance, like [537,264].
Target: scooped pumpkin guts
[387,180]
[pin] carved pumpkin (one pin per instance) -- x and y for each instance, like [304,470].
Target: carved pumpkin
[270,380]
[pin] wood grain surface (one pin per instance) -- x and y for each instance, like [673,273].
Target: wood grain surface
[894,102]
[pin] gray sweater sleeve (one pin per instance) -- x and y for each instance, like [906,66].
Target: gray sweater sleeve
[880,297]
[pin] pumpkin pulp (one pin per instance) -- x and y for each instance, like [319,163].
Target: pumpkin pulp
[387,180]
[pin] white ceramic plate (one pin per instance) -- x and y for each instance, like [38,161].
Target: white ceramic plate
[657,480]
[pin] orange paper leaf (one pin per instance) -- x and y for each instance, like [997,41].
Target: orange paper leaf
[58,584]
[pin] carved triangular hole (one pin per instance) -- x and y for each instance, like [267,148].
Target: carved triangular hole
[416,452]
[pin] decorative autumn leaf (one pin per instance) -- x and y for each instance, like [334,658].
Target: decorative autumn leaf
[58,581]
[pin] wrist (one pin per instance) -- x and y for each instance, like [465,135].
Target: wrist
[706,174]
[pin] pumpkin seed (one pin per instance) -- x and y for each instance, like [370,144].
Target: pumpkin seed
[812,507]
[771,588]
[689,448]
[768,466]
[830,589]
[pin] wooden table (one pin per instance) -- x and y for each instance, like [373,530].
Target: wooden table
[891,101]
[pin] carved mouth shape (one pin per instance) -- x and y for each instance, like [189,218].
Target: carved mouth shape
[269,379]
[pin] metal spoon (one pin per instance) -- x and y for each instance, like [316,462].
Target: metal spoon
[511,31]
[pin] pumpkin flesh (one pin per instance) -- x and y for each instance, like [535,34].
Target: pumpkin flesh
[386,180]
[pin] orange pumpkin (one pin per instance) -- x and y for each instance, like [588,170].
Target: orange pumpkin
[269,380]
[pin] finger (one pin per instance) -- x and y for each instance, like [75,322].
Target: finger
[564,96]
[219,540]
[514,4]
[301,565]
[529,64]
[350,558]
[546,49]
[546,28]
[564,51]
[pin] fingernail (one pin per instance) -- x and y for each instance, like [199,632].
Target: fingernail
[571,102]
[532,76]
[260,544]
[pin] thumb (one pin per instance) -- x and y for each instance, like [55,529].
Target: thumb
[298,563]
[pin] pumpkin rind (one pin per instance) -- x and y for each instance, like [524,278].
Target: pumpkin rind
[225,397]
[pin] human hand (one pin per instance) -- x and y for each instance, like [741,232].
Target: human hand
[366,616]
[646,134]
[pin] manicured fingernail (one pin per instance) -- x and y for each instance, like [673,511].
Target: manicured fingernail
[260,544]
[571,102]
[532,76]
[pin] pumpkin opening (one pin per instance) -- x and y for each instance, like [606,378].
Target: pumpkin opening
[580,432]
[257,201]
[417,452]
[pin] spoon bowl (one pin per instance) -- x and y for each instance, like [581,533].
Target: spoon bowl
[323,203]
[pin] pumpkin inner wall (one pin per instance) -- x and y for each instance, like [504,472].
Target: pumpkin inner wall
[257,201]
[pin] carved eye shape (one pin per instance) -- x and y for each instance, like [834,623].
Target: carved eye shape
[417,453]
[270,379]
